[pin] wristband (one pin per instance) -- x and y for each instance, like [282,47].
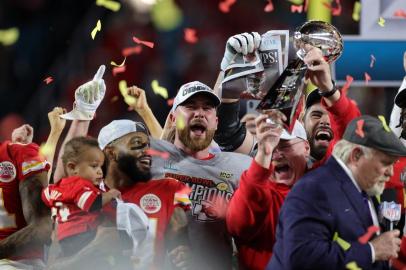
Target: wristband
[329,93]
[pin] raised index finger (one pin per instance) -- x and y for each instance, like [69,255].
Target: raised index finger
[100,72]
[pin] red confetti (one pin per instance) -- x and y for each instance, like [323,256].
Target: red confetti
[269,6]
[294,8]
[153,152]
[225,5]
[360,131]
[190,35]
[373,59]
[143,42]
[48,80]
[365,238]
[170,102]
[335,11]
[349,79]
[400,13]
[131,50]
[117,70]
[367,78]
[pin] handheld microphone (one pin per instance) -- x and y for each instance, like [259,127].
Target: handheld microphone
[390,212]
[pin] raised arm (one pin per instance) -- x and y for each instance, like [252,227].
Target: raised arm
[142,108]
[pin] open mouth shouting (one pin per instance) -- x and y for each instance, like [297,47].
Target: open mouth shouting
[323,136]
[198,129]
[145,162]
[282,171]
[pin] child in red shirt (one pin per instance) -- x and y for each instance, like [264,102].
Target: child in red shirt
[78,197]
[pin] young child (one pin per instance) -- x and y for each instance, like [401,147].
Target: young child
[78,198]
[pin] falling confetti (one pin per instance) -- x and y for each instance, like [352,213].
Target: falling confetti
[159,90]
[180,122]
[225,5]
[294,8]
[381,22]
[190,35]
[352,266]
[356,11]
[367,78]
[373,60]
[370,232]
[122,85]
[170,102]
[360,128]
[335,11]
[341,242]
[109,4]
[117,70]
[400,13]
[96,29]
[116,65]
[269,7]
[384,124]
[153,152]
[45,150]
[131,50]
[349,79]
[181,198]
[48,80]
[9,36]
[143,42]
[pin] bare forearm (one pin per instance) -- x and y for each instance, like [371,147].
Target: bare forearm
[76,129]
[151,122]
[50,147]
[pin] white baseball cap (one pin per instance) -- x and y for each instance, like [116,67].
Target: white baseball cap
[117,129]
[190,89]
[297,132]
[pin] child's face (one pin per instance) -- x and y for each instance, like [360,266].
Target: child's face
[90,165]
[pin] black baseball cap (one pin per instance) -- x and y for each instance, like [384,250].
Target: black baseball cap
[312,98]
[371,132]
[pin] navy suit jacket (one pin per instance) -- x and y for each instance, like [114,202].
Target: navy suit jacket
[323,202]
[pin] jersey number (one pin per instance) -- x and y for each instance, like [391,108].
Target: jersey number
[7,220]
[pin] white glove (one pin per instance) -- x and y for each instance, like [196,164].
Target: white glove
[88,97]
[242,43]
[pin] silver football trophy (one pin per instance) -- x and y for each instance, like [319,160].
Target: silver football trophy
[286,93]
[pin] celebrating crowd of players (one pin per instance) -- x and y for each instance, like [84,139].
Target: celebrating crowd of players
[206,189]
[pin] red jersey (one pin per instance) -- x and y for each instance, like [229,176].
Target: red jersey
[17,162]
[73,196]
[158,199]
[252,216]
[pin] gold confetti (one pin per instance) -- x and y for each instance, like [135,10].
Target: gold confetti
[180,122]
[122,85]
[352,266]
[112,5]
[341,242]
[356,11]
[9,36]
[384,124]
[96,29]
[159,90]
[117,65]
[381,22]
[45,149]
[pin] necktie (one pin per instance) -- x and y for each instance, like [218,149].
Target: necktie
[365,198]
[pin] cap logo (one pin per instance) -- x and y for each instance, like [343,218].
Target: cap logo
[193,89]
[359,131]
[385,126]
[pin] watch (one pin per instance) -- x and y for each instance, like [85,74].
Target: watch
[329,93]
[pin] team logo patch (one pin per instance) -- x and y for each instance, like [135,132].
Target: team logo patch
[7,171]
[150,203]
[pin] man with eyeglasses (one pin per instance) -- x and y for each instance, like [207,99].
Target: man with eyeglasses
[253,211]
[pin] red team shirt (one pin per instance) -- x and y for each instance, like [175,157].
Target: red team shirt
[17,162]
[158,199]
[77,196]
